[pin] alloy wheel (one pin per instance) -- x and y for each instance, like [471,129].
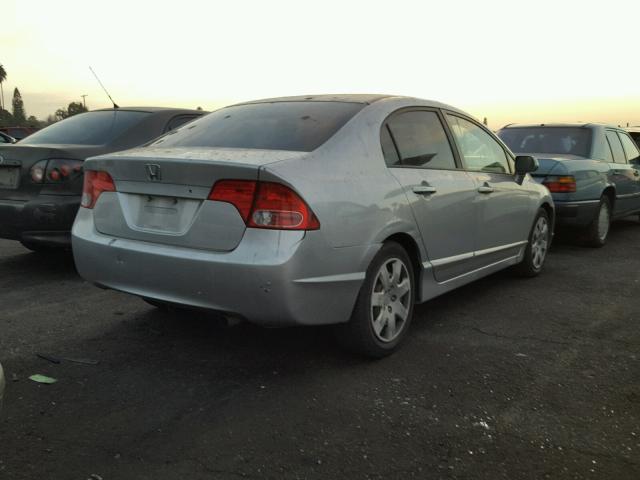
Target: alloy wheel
[390,300]
[539,242]
[604,222]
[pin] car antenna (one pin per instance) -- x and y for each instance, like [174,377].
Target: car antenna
[115,105]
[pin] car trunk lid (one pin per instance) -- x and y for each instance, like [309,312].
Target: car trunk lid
[15,168]
[551,165]
[162,195]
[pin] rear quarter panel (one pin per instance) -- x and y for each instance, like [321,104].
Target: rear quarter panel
[592,177]
[348,186]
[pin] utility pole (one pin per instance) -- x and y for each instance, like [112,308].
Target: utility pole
[84,102]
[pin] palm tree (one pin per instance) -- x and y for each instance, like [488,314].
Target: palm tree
[3,77]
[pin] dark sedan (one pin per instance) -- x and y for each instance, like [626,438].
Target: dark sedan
[592,171]
[41,176]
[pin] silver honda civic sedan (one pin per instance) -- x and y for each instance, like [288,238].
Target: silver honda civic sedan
[313,210]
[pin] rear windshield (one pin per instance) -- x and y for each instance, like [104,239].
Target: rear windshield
[297,126]
[558,140]
[91,128]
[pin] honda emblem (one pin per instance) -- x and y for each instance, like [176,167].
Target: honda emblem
[153,172]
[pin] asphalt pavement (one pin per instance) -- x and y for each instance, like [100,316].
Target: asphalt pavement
[505,378]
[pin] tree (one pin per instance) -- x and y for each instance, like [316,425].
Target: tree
[72,109]
[61,114]
[3,77]
[76,107]
[19,115]
[6,119]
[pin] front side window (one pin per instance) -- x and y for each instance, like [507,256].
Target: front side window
[630,149]
[92,128]
[548,140]
[297,126]
[421,140]
[616,147]
[479,150]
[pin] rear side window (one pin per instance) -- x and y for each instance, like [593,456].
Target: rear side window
[421,140]
[91,128]
[479,150]
[616,147]
[389,151]
[298,126]
[178,121]
[630,148]
[608,155]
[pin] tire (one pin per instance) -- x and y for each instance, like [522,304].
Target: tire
[538,246]
[597,232]
[159,304]
[37,247]
[377,328]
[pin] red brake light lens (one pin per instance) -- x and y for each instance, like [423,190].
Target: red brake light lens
[239,193]
[277,206]
[266,204]
[558,184]
[95,183]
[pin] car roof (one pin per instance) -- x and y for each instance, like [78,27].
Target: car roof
[151,110]
[347,98]
[556,125]
[367,99]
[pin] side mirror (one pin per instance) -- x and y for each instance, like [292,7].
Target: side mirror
[526,164]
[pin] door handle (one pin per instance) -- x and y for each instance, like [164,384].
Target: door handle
[424,190]
[486,188]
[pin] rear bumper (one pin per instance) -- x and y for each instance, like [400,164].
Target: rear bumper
[576,214]
[272,278]
[47,219]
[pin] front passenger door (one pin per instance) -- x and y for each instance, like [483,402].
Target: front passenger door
[505,218]
[418,153]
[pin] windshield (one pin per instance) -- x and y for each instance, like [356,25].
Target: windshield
[297,126]
[91,128]
[558,140]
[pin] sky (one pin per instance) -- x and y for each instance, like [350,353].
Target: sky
[509,61]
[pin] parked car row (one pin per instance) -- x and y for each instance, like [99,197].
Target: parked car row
[330,209]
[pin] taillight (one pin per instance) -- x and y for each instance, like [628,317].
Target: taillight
[266,204]
[56,171]
[557,184]
[94,184]
[63,170]
[38,171]
[239,193]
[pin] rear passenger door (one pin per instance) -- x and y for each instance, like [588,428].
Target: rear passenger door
[418,153]
[622,175]
[504,206]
